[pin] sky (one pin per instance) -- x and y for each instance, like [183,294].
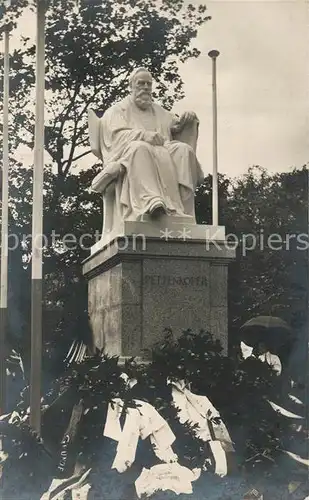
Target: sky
[263,84]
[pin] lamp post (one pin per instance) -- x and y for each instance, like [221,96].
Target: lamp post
[37,226]
[4,223]
[213,54]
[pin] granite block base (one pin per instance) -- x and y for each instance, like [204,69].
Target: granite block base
[140,287]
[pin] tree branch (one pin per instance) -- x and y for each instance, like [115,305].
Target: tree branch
[78,157]
[62,120]
[77,134]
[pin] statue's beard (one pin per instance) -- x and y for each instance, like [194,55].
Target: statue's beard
[143,99]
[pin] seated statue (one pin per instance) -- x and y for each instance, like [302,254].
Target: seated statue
[149,160]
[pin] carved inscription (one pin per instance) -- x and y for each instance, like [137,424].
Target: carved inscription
[166,280]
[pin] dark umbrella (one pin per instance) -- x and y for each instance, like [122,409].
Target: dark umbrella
[271,331]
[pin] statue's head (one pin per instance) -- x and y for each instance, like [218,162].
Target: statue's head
[140,83]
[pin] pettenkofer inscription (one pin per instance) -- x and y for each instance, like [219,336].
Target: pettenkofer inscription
[160,280]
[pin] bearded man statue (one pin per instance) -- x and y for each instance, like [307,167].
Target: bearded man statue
[153,172]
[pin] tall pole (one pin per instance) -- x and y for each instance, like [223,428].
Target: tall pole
[4,225]
[37,226]
[213,54]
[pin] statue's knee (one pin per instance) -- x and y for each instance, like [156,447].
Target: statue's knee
[184,148]
[138,145]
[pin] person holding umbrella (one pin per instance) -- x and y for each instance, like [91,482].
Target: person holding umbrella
[269,338]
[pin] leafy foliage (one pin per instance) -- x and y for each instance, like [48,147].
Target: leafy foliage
[90,51]
[238,389]
[270,273]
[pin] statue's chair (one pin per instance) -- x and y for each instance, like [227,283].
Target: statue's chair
[105,182]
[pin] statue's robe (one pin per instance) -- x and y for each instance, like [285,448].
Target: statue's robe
[148,174]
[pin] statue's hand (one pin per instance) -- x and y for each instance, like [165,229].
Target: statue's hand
[185,119]
[153,138]
[188,117]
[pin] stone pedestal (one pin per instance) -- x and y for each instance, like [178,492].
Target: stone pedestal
[149,280]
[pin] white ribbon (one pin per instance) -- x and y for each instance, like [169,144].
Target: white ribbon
[198,410]
[164,477]
[140,422]
[283,411]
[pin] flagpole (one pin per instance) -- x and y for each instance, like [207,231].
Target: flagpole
[37,226]
[213,54]
[4,224]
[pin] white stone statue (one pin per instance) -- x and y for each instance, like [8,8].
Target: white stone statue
[149,158]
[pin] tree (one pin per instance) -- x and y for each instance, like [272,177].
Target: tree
[262,212]
[91,48]
[90,52]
